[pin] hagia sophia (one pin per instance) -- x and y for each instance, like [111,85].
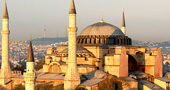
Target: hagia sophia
[99,53]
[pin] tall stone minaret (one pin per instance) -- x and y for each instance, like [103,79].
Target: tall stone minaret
[30,75]
[72,78]
[123,24]
[5,67]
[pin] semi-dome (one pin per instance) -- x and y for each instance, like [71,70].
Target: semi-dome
[102,29]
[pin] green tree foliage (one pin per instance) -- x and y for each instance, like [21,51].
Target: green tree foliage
[110,84]
[40,64]
[44,87]
[59,87]
[19,87]
[80,88]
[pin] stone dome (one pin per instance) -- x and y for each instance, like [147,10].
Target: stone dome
[103,33]
[102,29]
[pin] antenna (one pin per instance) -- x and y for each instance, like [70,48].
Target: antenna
[44,30]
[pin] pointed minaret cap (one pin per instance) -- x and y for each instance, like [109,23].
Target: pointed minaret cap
[102,21]
[30,56]
[72,8]
[5,13]
[123,19]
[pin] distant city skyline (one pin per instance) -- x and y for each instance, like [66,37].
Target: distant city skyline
[146,20]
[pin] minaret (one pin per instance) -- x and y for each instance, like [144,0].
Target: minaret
[123,24]
[72,78]
[5,67]
[30,75]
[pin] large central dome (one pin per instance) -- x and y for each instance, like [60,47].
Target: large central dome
[102,29]
[102,33]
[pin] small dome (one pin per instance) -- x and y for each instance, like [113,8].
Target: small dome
[102,29]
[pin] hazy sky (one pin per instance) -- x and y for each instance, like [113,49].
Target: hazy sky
[145,19]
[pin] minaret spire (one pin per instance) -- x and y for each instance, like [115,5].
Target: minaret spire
[72,8]
[5,13]
[30,56]
[123,23]
[102,21]
[123,19]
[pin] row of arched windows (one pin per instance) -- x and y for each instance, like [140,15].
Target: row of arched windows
[116,40]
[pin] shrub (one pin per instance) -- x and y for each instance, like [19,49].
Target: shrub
[19,87]
[80,88]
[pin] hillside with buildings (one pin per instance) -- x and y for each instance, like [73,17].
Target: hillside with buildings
[18,49]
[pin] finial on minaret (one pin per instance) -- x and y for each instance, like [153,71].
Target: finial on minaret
[30,37]
[30,56]
[5,13]
[123,23]
[72,8]
[102,21]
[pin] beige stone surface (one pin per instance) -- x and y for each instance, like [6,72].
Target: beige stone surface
[123,30]
[5,67]
[160,83]
[117,63]
[30,76]
[72,78]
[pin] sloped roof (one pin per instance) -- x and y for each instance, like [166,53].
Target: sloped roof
[50,76]
[95,74]
[163,79]
[149,84]
[79,50]
[57,76]
[91,82]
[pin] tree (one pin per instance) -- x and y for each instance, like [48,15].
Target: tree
[40,64]
[44,87]
[80,88]
[19,87]
[108,84]
[20,67]
[59,87]
[111,84]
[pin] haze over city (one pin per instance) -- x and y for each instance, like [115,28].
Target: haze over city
[146,20]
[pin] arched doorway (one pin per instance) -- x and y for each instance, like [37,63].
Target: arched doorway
[132,64]
[54,68]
